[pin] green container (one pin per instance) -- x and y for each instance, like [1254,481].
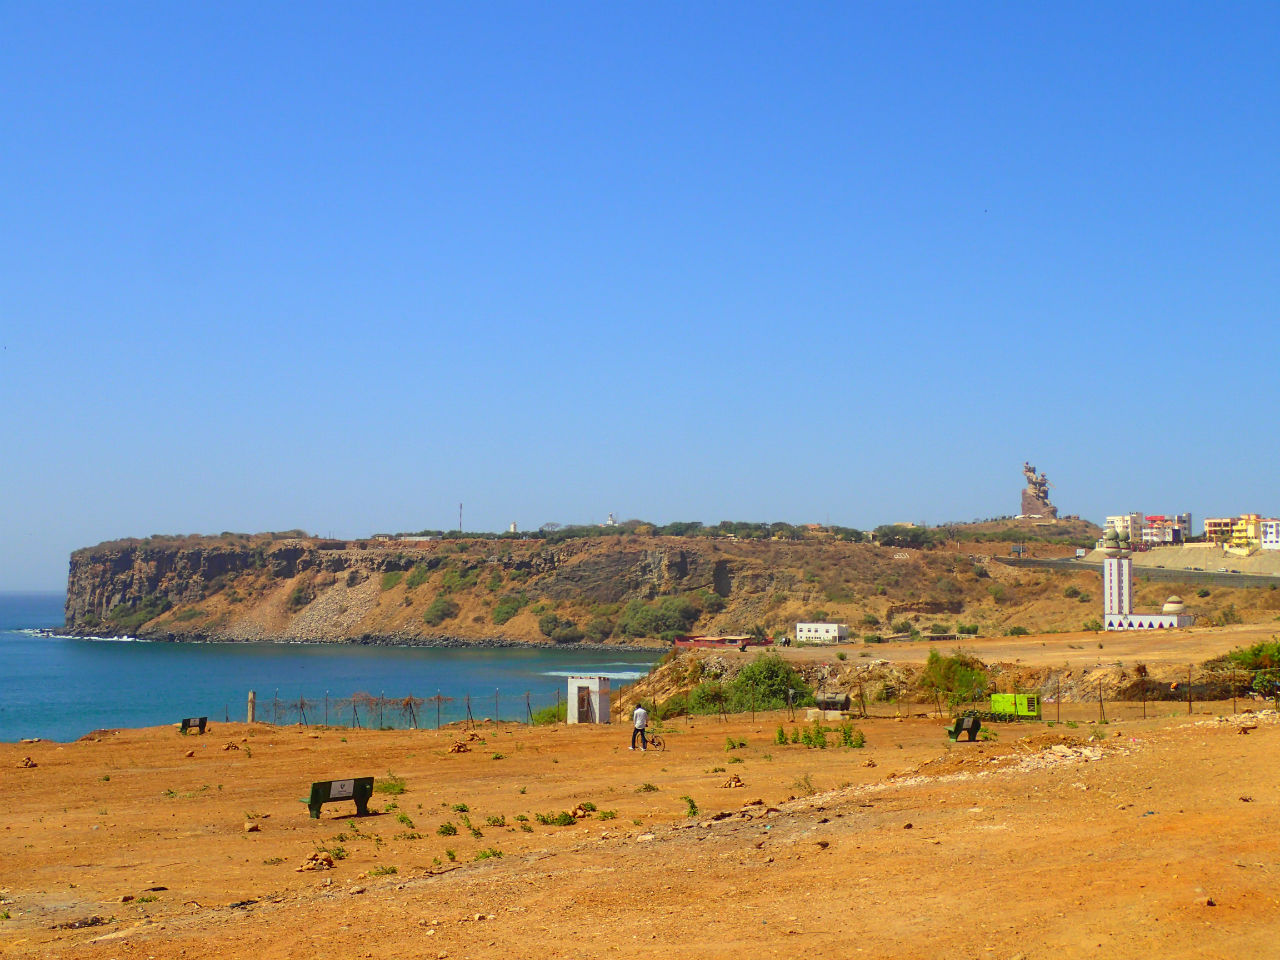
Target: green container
[1016,705]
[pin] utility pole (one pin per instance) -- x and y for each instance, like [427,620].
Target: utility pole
[459,519]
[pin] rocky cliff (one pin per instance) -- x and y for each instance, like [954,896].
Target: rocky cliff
[616,589]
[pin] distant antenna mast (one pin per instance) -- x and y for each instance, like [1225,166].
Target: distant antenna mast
[459,518]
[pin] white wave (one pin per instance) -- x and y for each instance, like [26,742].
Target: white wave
[122,638]
[598,672]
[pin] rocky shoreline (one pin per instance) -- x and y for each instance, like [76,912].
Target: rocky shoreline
[443,641]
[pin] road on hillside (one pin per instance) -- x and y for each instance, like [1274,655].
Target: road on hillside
[1151,573]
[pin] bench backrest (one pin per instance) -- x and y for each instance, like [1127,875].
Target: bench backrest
[325,791]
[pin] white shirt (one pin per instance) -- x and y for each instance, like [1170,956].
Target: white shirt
[641,718]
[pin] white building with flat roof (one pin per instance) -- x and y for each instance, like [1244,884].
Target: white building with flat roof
[1270,535]
[822,633]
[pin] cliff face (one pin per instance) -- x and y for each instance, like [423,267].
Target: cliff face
[309,589]
[611,589]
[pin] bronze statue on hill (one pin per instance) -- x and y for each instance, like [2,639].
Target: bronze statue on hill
[1035,497]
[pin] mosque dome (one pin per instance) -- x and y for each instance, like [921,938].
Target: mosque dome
[1174,605]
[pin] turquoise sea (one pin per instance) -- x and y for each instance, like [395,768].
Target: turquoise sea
[60,688]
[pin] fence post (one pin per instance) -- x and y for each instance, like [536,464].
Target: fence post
[527,708]
[253,707]
[1102,711]
[1189,689]
[326,708]
[495,705]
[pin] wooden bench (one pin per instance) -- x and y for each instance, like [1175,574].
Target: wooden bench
[967,725]
[189,723]
[359,789]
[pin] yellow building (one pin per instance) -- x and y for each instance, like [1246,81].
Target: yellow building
[1218,529]
[1246,535]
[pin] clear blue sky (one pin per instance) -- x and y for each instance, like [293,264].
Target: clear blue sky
[341,266]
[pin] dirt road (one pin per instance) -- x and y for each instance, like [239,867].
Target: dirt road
[1157,838]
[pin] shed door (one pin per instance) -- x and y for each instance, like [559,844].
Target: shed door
[585,713]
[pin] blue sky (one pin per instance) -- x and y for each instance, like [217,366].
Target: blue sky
[343,266]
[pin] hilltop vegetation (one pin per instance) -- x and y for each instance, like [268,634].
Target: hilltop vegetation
[615,587]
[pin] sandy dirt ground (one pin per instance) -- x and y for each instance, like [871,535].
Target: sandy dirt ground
[1153,838]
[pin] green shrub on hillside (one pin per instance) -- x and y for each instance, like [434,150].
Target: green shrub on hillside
[765,681]
[664,618]
[441,609]
[957,678]
[453,579]
[125,618]
[417,576]
[391,578]
[508,606]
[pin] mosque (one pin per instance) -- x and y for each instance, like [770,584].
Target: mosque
[1117,592]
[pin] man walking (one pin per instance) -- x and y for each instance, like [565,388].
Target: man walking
[641,720]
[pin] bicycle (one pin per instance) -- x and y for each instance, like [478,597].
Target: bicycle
[655,741]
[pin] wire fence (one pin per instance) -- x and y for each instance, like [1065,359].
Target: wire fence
[410,712]
[1101,696]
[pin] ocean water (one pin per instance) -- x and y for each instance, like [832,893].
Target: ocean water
[60,688]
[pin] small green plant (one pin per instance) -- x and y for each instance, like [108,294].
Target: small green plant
[106,777]
[805,786]
[646,788]
[488,854]
[1202,592]
[499,756]
[795,735]
[460,808]
[986,733]
[526,828]
[716,770]
[390,784]
[1017,632]
[780,738]
[382,870]
[521,818]
[497,820]
[337,851]
[447,829]
[272,861]
[607,814]
[404,818]
[851,736]
[451,855]
[588,806]
[841,655]
[391,578]
[735,760]
[692,810]
[1071,592]
[150,898]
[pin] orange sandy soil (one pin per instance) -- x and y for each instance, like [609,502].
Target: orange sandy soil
[1159,840]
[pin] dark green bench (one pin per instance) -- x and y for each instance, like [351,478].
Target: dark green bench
[190,723]
[359,789]
[967,725]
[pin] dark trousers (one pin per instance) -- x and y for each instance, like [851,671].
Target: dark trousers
[639,732]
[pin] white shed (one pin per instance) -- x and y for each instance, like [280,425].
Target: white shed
[588,700]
